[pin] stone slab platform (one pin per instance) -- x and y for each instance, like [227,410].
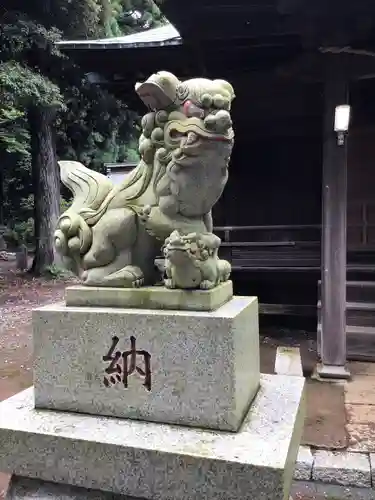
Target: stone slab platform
[24,488]
[154,297]
[160,461]
[34,489]
[183,367]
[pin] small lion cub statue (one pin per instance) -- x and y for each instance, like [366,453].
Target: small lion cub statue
[192,262]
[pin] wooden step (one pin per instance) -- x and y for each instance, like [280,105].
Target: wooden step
[358,283]
[361,273]
[360,314]
[357,314]
[368,332]
[358,291]
[356,306]
[360,343]
[287,310]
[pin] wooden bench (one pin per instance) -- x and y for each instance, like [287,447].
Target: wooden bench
[273,249]
[269,248]
[272,256]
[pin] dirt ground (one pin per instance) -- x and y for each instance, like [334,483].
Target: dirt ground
[326,419]
[19,294]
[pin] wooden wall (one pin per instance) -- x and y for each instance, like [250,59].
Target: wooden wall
[361,188]
[275,170]
[361,167]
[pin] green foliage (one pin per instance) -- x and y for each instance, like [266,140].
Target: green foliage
[14,138]
[56,272]
[64,204]
[28,88]
[76,19]
[21,37]
[124,17]
[91,125]
[21,233]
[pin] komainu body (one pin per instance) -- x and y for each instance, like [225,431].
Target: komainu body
[111,235]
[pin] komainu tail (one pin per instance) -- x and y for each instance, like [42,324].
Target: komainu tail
[89,188]
[73,235]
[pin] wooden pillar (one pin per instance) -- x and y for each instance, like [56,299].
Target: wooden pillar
[333,290]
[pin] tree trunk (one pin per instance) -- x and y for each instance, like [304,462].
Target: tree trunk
[46,186]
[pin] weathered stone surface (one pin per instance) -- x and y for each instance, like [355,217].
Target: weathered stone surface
[192,261]
[361,438]
[204,365]
[155,297]
[288,361]
[372,466]
[34,489]
[111,235]
[319,491]
[159,461]
[361,390]
[304,464]
[360,414]
[24,488]
[347,469]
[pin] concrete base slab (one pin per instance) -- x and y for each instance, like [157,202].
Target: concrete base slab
[153,297]
[288,361]
[24,488]
[33,489]
[159,461]
[332,372]
[304,464]
[346,469]
[321,491]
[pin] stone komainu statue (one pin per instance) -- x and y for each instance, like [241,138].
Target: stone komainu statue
[111,235]
[191,261]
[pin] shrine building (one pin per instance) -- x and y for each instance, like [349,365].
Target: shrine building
[297,217]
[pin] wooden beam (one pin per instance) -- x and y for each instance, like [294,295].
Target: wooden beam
[333,332]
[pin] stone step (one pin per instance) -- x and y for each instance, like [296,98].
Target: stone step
[288,361]
[153,460]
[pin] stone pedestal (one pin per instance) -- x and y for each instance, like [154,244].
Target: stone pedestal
[150,297]
[159,461]
[183,367]
[196,418]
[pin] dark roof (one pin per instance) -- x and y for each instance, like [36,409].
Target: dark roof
[228,37]
[317,22]
[157,37]
[127,164]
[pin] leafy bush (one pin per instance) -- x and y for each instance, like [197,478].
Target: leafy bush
[57,272]
[21,233]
